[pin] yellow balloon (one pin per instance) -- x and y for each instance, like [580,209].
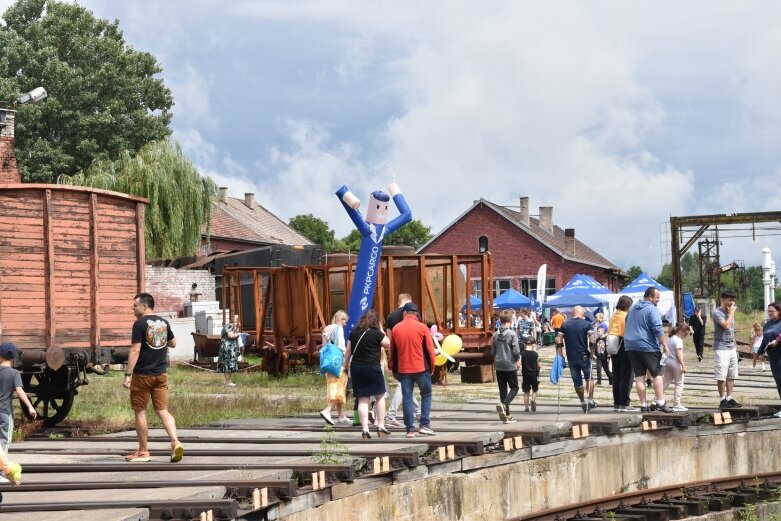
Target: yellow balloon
[440,360]
[451,344]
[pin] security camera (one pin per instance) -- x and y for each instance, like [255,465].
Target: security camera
[34,96]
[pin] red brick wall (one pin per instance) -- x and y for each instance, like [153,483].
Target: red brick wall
[171,287]
[9,173]
[515,253]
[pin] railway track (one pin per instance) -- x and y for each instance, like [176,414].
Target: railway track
[270,468]
[672,502]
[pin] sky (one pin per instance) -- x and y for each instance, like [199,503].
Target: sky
[618,114]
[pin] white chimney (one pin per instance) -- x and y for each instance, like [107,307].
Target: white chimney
[224,194]
[249,200]
[546,218]
[569,241]
[525,211]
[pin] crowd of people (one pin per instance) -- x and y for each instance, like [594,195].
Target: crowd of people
[635,349]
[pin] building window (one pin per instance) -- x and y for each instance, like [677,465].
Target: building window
[500,286]
[529,287]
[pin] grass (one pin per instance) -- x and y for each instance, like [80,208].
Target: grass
[196,398]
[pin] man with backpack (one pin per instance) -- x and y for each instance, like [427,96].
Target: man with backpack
[507,360]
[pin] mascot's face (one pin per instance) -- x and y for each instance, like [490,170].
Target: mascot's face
[377,211]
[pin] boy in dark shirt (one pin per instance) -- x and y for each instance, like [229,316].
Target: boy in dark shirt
[530,372]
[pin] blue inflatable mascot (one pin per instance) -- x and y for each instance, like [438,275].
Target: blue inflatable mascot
[373,230]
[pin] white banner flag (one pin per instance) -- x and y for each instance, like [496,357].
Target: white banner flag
[542,274]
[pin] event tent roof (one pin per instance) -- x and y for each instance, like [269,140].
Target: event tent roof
[575,299]
[511,299]
[643,282]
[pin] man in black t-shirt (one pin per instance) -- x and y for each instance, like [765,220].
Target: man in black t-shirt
[577,335]
[393,318]
[146,376]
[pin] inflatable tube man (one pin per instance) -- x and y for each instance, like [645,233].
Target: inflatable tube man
[373,230]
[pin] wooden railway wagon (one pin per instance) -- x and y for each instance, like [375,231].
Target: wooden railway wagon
[286,308]
[71,260]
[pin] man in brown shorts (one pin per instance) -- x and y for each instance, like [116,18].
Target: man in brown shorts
[146,377]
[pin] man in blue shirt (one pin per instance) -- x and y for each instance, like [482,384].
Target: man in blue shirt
[642,337]
[576,335]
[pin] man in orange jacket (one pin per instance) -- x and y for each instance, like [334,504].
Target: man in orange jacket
[412,362]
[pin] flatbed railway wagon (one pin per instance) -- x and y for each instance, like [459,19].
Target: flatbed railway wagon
[71,261]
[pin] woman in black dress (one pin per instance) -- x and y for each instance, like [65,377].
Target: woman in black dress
[364,349]
[697,323]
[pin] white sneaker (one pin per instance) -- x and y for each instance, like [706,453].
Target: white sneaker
[679,408]
[427,431]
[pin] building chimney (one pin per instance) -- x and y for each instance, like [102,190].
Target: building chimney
[569,241]
[525,211]
[9,172]
[249,200]
[546,218]
[223,194]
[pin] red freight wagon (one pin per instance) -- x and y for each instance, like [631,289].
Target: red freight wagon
[71,260]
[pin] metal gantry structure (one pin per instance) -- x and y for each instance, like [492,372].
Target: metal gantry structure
[696,226]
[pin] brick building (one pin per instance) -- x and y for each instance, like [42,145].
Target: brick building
[243,224]
[519,244]
[9,172]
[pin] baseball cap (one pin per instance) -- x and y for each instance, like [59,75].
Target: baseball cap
[8,350]
[410,307]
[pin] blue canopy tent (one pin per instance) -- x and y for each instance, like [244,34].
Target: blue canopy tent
[575,299]
[511,299]
[688,305]
[666,304]
[583,285]
[474,303]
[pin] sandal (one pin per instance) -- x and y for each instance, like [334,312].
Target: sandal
[139,456]
[382,432]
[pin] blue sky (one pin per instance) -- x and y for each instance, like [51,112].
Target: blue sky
[617,114]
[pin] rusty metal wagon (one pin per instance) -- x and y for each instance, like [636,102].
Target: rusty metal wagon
[71,261]
[286,308]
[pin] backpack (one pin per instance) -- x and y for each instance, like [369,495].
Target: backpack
[613,344]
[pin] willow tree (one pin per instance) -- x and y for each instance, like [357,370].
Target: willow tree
[180,199]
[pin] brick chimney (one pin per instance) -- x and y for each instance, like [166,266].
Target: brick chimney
[249,200]
[546,218]
[525,211]
[9,172]
[223,194]
[569,241]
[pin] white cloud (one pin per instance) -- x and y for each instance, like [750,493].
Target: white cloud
[303,179]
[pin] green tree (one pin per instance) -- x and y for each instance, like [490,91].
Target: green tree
[104,97]
[180,199]
[414,234]
[690,273]
[351,241]
[633,272]
[314,229]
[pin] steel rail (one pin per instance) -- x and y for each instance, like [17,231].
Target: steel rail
[584,508]
[473,447]
[286,486]
[227,505]
[344,472]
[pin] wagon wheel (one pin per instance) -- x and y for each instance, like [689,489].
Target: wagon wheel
[52,398]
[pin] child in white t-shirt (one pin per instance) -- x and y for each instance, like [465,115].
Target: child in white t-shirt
[756,342]
[674,366]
